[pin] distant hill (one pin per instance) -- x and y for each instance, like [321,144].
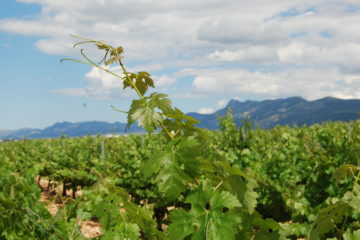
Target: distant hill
[71,130]
[266,114]
[289,111]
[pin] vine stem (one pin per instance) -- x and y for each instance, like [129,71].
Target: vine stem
[114,108]
[167,131]
[207,225]
[129,80]
[91,63]
[253,236]
[217,186]
[343,224]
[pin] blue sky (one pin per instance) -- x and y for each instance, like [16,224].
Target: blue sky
[202,53]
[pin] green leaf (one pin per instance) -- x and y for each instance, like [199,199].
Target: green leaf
[119,217]
[180,226]
[211,217]
[264,234]
[352,236]
[244,189]
[144,111]
[175,167]
[122,231]
[233,180]
[345,171]
[182,124]
[172,180]
[143,82]
[327,219]
[130,78]
[161,101]
[353,198]
[257,228]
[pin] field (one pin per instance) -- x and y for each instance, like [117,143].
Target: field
[283,183]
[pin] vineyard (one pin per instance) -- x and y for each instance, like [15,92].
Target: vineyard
[289,179]
[182,182]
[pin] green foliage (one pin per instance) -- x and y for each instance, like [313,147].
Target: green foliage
[119,217]
[212,216]
[144,111]
[231,178]
[327,219]
[175,167]
[21,213]
[352,236]
[255,227]
[345,171]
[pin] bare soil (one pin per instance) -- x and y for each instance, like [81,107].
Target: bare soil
[53,201]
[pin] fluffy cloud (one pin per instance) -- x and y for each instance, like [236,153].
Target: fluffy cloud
[76,92]
[309,83]
[206,110]
[164,81]
[241,29]
[250,54]
[260,48]
[222,102]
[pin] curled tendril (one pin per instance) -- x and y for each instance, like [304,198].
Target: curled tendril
[114,53]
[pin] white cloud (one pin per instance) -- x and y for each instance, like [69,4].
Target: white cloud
[308,83]
[250,54]
[56,46]
[187,95]
[33,28]
[76,92]
[241,29]
[259,48]
[164,81]
[222,102]
[206,110]
[100,84]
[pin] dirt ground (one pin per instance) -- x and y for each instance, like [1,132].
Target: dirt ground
[53,202]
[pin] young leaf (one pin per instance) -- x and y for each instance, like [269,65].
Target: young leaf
[113,59]
[128,79]
[161,101]
[144,111]
[143,82]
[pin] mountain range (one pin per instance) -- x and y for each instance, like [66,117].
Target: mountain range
[293,111]
[71,130]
